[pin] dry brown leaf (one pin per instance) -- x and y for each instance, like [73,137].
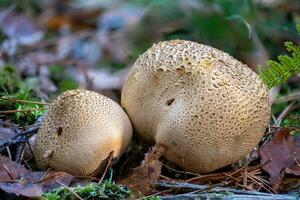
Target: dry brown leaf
[5,134]
[281,155]
[16,179]
[10,170]
[143,178]
[21,189]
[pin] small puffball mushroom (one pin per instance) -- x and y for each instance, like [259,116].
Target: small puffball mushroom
[79,132]
[207,108]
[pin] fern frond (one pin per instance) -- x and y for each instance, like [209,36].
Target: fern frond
[284,68]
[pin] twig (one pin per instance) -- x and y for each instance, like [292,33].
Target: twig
[179,171]
[29,145]
[278,127]
[24,101]
[8,152]
[4,112]
[46,177]
[110,157]
[217,191]
[26,163]
[20,137]
[220,175]
[267,188]
[20,153]
[284,113]
[165,177]
[227,196]
[296,161]
[236,180]
[289,97]
[8,172]
[155,194]
[74,193]
[45,174]
[245,178]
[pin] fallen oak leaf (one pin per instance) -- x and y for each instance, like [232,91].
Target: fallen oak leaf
[21,189]
[6,133]
[49,182]
[143,178]
[281,155]
[10,170]
[16,179]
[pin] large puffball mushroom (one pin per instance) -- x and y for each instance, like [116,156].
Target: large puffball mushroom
[207,108]
[80,131]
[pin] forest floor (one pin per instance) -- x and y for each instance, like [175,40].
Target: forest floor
[48,48]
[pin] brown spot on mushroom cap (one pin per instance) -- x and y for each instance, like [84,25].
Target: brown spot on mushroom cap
[220,108]
[79,132]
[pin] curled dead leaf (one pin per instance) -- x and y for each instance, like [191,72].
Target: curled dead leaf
[144,177]
[281,155]
[16,179]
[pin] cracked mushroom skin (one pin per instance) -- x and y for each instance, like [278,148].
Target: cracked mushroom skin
[208,109]
[79,132]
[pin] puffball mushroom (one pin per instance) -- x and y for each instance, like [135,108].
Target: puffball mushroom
[79,132]
[207,108]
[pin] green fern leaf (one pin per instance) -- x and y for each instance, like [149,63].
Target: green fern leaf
[287,66]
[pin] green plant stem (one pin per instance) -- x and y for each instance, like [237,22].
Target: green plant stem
[24,101]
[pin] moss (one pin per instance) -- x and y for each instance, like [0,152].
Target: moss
[106,190]
[12,86]
[284,68]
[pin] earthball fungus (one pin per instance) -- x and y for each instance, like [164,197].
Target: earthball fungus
[80,131]
[207,108]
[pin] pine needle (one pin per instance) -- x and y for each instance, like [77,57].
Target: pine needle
[24,101]
[4,112]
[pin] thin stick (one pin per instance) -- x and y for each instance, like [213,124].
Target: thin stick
[26,164]
[236,180]
[8,172]
[15,139]
[20,152]
[289,97]
[8,151]
[74,193]
[24,101]
[165,177]
[45,174]
[285,112]
[270,190]
[245,177]
[110,157]
[22,155]
[48,177]
[179,171]
[155,194]
[29,146]
[292,127]
[296,161]
[3,112]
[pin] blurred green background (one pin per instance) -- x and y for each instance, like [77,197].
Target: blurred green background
[53,46]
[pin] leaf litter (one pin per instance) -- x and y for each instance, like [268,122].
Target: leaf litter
[87,37]
[281,156]
[15,178]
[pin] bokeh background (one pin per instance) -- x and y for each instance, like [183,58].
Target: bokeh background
[47,47]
